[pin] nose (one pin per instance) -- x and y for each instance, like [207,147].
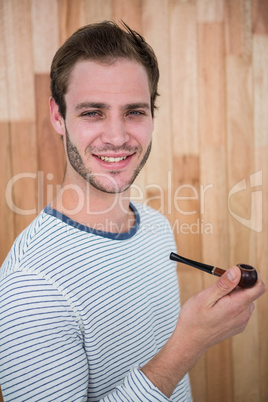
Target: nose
[115,132]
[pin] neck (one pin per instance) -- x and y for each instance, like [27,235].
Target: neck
[94,208]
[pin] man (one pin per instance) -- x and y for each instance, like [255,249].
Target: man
[90,301]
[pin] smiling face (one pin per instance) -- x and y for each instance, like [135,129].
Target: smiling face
[108,126]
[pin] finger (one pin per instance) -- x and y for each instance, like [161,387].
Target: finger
[225,284]
[253,293]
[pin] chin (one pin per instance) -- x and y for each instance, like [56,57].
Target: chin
[109,186]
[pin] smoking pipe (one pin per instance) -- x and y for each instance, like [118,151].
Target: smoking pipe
[249,274]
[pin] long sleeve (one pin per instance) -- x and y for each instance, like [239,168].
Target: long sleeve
[136,387]
[41,344]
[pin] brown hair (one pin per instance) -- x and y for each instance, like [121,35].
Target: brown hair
[104,42]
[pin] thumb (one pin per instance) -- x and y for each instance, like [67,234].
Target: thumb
[225,284]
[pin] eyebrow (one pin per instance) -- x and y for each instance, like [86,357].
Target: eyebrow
[137,105]
[91,105]
[100,105]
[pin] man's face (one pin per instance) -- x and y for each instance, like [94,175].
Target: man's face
[108,125]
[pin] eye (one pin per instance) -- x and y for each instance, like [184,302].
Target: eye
[91,113]
[136,113]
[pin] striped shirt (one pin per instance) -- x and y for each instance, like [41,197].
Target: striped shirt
[82,310]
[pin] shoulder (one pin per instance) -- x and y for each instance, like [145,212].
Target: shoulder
[155,226]
[151,217]
[34,233]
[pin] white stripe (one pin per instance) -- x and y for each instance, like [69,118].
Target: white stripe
[79,310]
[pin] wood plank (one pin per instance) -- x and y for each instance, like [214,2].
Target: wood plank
[160,161]
[260,17]
[185,166]
[212,126]
[72,15]
[260,63]
[4,112]
[129,12]
[187,228]
[211,70]
[20,86]
[96,11]
[6,215]
[210,11]
[242,239]
[261,264]
[247,383]
[240,153]
[45,34]
[260,85]
[216,354]
[186,207]
[241,167]
[239,28]
[186,215]
[24,168]
[19,59]
[184,100]
[51,156]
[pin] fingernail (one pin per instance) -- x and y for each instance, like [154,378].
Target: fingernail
[231,275]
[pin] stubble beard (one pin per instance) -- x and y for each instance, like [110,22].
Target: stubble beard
[78,165]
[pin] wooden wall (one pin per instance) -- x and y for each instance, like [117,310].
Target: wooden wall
[208,172]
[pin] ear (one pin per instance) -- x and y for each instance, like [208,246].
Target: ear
[55,117]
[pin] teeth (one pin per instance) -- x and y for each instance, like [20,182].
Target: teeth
[111,159]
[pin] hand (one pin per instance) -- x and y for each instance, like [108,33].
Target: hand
[218,312]
[214,314]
